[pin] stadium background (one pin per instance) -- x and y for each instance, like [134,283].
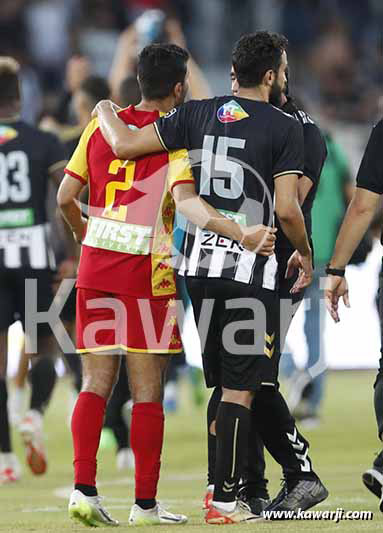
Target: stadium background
[335,56]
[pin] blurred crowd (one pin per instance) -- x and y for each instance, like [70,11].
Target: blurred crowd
[335,45]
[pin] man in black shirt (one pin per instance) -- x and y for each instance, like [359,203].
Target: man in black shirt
[243,152]
[28,159]
[253,489]
[361,210]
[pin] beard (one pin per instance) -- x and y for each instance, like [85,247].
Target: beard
[181,98]
[275,97]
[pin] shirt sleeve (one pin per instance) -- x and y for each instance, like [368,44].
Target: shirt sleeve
[315,152]
[290,158]
[370,174]
[78,163]
[179,169]
[55,153]
[172,128]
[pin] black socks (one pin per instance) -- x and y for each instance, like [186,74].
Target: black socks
[88,490]
[279,433]
[43,378]
[212,408]
[5,436]
[146,504]
[232,428]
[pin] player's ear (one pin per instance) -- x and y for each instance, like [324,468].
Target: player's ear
[179,91]
[269,78]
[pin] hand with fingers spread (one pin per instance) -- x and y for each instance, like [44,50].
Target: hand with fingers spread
[303,263]
[259,239]
[336,288]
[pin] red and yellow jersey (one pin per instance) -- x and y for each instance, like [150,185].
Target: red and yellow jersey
[128,244]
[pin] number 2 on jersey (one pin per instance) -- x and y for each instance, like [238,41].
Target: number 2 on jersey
[112,187]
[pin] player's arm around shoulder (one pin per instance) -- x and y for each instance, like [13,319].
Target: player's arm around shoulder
[182,187]
[125,143]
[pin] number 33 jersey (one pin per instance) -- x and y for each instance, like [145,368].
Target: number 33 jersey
[27,157]
[237,147]
[128,244]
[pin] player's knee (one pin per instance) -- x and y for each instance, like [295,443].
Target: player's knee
[147,397]
[147,393]
[97,385]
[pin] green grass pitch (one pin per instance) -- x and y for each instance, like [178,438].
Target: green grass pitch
[341,449]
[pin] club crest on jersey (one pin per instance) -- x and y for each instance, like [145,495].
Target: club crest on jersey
[7,134]
[170,113]
[231,112]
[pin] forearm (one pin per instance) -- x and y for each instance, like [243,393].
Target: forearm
[71,213]
[71,247]
[293,226]
[206,217]
[354,226]
[114,130]
[125,143]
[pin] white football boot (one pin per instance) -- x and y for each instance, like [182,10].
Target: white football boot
[88,511]
[10,468]
[154,516]
[31,431]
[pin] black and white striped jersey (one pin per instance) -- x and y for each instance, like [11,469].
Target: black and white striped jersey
[237,147]
[27,155]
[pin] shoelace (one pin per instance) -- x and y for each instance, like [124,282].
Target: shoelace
[162,509]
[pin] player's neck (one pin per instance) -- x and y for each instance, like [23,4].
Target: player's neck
[260,94]
[9,113]
[164,105]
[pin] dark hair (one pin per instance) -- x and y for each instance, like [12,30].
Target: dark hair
[129,92]
[96,88]
[9,80]
[256,53]
[293,105]
[160,67]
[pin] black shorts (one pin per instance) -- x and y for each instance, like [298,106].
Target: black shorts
[238,328]
[12,296]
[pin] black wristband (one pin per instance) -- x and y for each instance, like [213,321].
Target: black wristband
[335,271]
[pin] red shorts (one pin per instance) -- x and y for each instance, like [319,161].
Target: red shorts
[119,322]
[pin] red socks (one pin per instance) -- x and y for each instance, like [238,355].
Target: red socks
[146,437]
[87,421]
